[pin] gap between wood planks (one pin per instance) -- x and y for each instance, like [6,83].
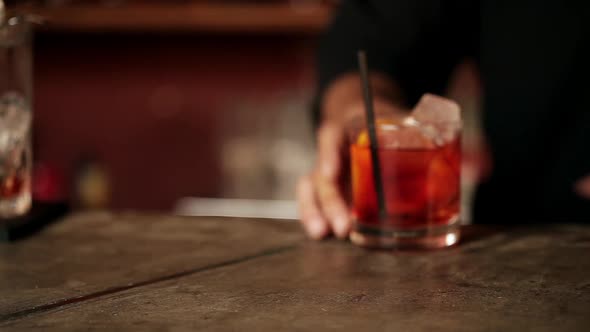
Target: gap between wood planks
[4,318]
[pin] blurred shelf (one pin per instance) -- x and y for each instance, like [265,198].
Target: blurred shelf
[193,17]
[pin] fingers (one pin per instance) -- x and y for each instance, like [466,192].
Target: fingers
[322,209]
[321,206]
[332,205]
[309,212]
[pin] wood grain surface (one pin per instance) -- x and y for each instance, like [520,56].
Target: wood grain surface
[103,253]
[512,279]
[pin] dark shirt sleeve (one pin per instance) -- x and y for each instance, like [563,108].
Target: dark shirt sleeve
[417,43]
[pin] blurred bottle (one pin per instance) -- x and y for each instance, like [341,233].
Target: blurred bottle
[92,185]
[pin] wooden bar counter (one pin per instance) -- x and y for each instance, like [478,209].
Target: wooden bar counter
[131,271]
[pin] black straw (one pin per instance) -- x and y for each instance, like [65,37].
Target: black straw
[368,97]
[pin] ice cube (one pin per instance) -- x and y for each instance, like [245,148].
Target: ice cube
[15,120]
[436,109]
[438,116]
[407,136]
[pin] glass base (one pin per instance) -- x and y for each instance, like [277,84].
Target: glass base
[424,238]
[15,207]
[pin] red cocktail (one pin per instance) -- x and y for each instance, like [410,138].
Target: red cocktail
[420,175]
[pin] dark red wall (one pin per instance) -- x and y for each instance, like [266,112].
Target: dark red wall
[148,108]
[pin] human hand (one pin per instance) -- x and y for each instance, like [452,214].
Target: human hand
[322,208]
[320,193]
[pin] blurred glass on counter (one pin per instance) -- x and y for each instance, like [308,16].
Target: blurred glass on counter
[15,114]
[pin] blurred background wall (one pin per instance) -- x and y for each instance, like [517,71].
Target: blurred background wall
[141,103]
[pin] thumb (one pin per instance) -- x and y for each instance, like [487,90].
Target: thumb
[330,141]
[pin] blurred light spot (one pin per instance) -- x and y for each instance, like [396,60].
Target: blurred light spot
[13,21]
[245,208]
[451,239]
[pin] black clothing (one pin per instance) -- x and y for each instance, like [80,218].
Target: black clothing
[534,59]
